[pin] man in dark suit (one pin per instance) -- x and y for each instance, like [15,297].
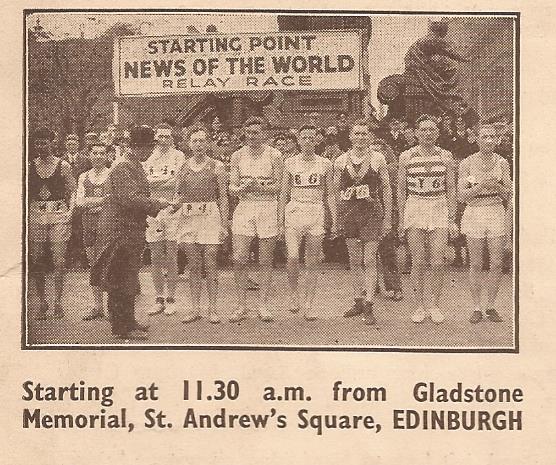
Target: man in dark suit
[394,137]
[121,234]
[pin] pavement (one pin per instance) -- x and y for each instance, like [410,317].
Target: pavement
[394,328]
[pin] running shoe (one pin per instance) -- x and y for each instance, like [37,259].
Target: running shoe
[368,316]
[169,307]
[476,317]
[239,315]
[493,315]
[436,315]
[419,315]
[158,306]
[265,314]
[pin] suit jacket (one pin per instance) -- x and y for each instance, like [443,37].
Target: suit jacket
[121,228]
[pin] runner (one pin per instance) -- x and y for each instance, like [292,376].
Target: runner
[202,201]
[427,207]
[121,234]
[364,214]
[90,197]
[51,199]
[255,177]
[485,185]
[161,168]
[307,181]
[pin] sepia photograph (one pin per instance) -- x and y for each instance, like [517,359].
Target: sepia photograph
[282,180]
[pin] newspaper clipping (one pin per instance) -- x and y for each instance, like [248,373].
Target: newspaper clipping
[252,236]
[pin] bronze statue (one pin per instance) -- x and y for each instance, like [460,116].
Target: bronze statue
[429,80]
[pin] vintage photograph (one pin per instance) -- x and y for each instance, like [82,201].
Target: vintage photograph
[271,180]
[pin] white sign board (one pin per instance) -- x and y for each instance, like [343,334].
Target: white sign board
[305,60]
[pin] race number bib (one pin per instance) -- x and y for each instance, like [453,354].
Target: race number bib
[263,181]
[362,192]
[50,206]
[348,193]
[423,185]
[196,208]
[306,179]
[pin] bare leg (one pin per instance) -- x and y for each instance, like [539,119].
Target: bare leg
[292,243]
[59,260]
[475,247]
[241,256]
[266,252]
[416,241]
[313,251]
[438,244]
[194,255]
[211,252]
[158,260]
[97,291]
[370,273]
[36,255]
[496,252]
[355,252]
[171,264]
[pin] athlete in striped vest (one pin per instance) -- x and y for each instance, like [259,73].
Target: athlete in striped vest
[427,206]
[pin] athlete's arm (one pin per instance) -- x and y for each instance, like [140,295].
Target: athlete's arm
[285,193]
[386,194]
[222,178]
[505,187]
[235,186]
[402,193]
[451,188]
[125,192]
[337,169]
[329,192]
[69,184]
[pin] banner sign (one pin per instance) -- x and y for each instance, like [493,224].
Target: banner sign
[166,65]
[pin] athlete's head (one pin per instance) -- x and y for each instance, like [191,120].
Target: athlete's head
[41,142]
[72,143]
[426,130]
[141,142]
[199,140]
[488,138]
[98,155]
[308,138]
[163,135]
[360,135]
[254,130]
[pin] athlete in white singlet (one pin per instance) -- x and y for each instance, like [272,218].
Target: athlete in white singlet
[161,169]
[427,206]
[484,184]
[90,198]
[255,177]
[307,184]
[202,203]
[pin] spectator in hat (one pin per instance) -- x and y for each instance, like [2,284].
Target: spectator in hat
[121,234]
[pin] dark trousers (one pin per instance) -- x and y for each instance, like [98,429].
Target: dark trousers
[388,258]
[121,308]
